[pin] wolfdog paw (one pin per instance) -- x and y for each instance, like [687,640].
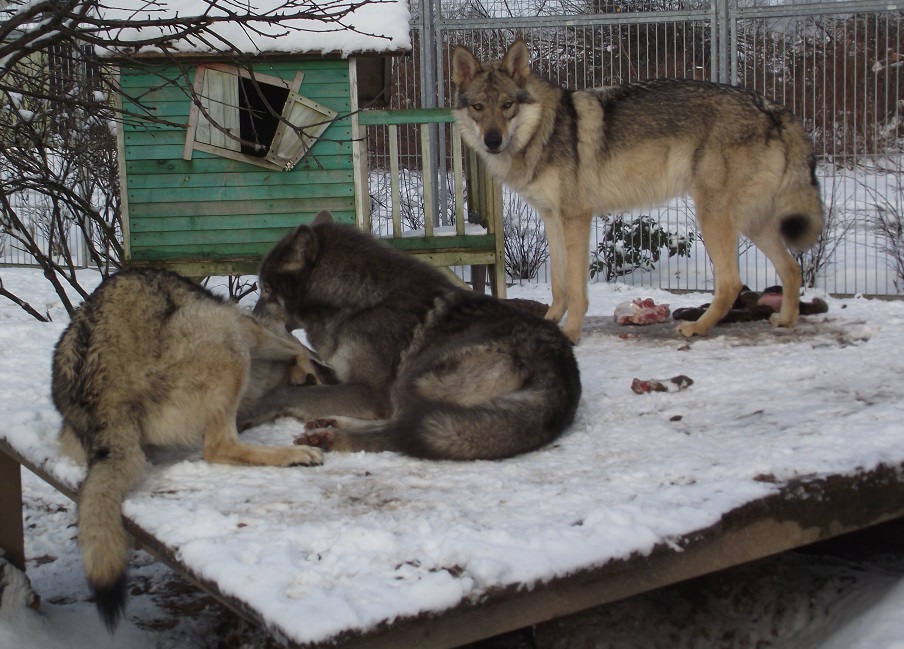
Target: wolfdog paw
[776,320]
[319,436]
[306,455]
[688,330]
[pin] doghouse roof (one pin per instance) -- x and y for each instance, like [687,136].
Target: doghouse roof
[380,26]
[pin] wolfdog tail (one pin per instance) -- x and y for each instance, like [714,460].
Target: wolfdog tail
[112,470]
[798,207]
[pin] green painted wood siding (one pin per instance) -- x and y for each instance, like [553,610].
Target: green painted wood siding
[210,207]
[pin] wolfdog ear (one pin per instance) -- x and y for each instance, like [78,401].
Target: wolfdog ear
[323,216]
[465,66]
[516,62]
[302,248]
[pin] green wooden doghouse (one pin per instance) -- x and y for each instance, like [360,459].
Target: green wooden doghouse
[211,179]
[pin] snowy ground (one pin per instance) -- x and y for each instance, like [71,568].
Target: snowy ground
[826,397]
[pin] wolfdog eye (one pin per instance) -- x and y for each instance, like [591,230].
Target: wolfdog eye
[507,105]
[477,107]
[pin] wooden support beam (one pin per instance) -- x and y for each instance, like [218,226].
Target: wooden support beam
[12,533]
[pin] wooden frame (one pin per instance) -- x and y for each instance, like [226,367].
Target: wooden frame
[286,148]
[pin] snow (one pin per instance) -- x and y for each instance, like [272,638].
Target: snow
[365,538]
[375,26]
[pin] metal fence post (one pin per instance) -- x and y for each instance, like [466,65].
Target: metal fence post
[722,52]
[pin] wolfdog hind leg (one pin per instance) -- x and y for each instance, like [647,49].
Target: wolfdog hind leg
[771,244]
[721,242]
[311,402]
[349,435]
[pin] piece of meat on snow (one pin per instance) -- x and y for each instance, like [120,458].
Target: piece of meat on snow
[641,312]
[674,384]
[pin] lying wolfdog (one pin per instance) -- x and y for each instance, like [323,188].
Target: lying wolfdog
[151,358]
[457,375]
[745,161]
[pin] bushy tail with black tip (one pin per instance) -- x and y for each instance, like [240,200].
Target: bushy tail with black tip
[112,471]
[798,205]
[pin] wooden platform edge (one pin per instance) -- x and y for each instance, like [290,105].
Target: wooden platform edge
[801,512]
[141,539]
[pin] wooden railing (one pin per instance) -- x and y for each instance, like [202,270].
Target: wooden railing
[476,198]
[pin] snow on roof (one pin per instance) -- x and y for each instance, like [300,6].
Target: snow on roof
[347,26]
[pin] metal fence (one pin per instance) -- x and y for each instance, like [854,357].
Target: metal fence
[35,211]
[837,65]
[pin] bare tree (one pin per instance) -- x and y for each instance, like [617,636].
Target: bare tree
[888,216]
[58,167]
[526,247]
[837,227]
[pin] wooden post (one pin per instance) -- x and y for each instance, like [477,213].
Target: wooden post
[476,214]
[12,532]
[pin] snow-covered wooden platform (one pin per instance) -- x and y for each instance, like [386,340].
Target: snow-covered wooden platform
[784,438]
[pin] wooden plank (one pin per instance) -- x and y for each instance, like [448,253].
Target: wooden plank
[359,152]
[331,144]
[154,136]
[496,226]
[219,166]
[135,73]
[221,183]
[446,258]
[210,237]
[189,252]
[428,181]
[433,244]
[394,180]
[304,113]
[205,267]
[232,222]
[194,114]
[182,195]
[144,213]
[458,180]
[406,116]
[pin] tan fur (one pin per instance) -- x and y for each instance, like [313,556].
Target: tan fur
[747,164]
[152,359]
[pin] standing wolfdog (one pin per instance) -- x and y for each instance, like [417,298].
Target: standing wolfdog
[152,358]
[745,161]
[458,375]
